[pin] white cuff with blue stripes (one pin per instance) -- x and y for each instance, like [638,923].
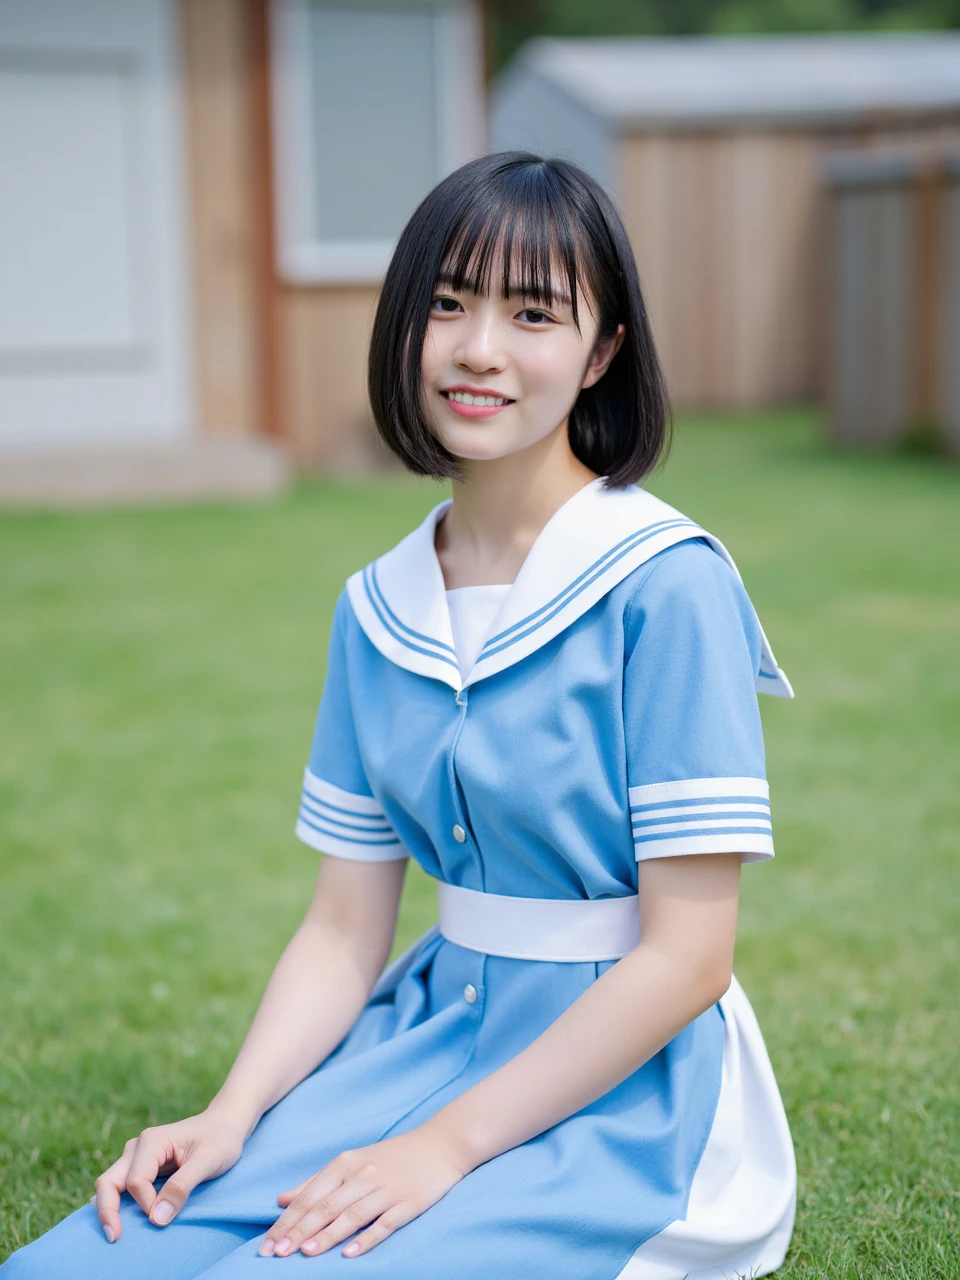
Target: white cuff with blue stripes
[702,815]
[348,826]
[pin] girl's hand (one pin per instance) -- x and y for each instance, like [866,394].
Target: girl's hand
[386,1184]
[192,1150]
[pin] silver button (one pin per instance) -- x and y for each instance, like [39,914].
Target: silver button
[459,834]
[470,993]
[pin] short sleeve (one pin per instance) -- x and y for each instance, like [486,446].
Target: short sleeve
[694,743]
[338,812]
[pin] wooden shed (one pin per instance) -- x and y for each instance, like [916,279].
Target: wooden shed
[893,330]
[198,199]
[713,148]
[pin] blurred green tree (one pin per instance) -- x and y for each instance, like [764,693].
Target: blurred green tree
[514,21]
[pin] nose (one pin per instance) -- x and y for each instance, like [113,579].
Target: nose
[480,348]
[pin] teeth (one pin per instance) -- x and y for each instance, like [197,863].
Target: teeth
[464,397]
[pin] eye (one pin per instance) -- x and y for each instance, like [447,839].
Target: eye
[535,316]
[445,305]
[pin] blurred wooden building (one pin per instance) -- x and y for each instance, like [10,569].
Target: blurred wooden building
[893,299]
[198,199]
[713,147]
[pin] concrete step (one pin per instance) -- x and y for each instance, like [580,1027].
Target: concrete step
[118,475]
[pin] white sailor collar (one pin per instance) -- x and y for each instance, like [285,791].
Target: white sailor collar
[588,546]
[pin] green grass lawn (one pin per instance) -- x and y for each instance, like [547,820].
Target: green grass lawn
[159,676]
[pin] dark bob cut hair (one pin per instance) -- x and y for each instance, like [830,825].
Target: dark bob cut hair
[537,216]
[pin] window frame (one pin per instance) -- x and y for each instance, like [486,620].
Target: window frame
[302,257]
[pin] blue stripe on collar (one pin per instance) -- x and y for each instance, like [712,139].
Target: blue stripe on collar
[579,584]
[397,628]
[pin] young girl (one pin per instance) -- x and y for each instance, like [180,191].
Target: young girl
[546,695]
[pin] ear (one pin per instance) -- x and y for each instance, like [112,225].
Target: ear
[603,353]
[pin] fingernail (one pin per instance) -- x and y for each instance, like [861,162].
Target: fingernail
[284,1246]
[162,1212]
[309,1246]
[353,1247]
[267,1248]
[108,1232]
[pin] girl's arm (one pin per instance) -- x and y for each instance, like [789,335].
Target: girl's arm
[319,987]
[681,966]
[316,993]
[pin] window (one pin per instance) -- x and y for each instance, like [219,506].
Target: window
[373,104]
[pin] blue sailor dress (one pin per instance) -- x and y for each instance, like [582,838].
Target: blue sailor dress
[611,716]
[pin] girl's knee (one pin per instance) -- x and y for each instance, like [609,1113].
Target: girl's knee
[75,1246]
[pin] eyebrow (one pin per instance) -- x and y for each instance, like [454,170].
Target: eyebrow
[557,295]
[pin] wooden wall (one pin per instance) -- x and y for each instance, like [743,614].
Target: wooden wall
[721,224]
[324,332]
[729,228]
[893,319]
[272,359]
[224,211]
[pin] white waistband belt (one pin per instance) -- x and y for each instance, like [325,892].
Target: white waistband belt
[539,928]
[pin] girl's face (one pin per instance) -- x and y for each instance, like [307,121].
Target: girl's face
[501,374]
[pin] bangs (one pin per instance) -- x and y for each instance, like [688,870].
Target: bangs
[524,246]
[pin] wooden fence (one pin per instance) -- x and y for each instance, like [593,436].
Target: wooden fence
[892,350]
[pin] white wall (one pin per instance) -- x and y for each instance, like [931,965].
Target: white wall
[94,314]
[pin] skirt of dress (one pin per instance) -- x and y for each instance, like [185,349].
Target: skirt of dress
[684,1171]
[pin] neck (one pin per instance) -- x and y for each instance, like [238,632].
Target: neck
[499,507]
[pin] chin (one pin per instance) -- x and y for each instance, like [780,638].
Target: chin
[481,446]
[467,454]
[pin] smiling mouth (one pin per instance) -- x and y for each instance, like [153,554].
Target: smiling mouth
[467,404]
[465,397]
